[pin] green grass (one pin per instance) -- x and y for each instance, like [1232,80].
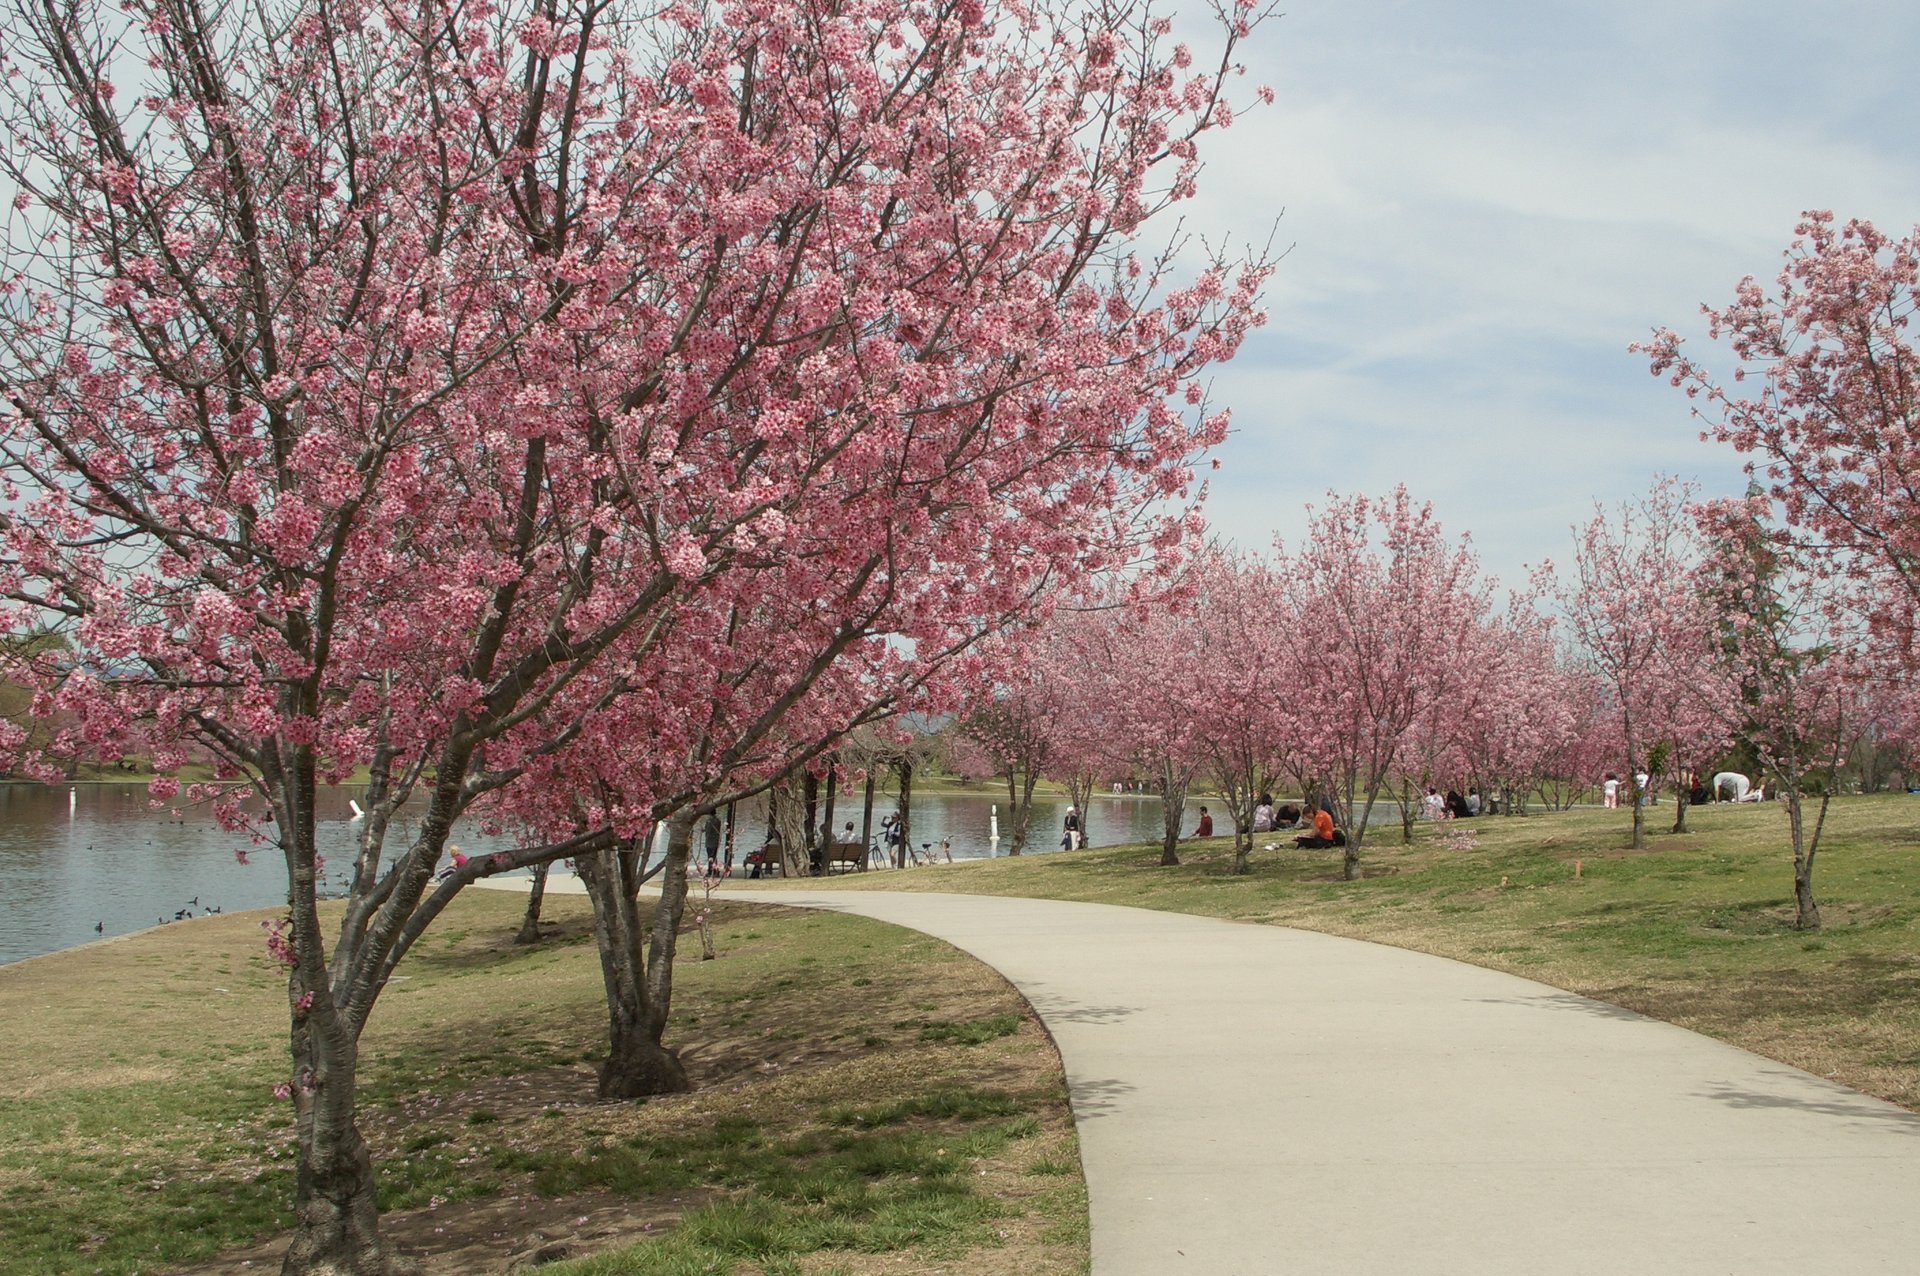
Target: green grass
[138,1128]
[943,1104]
[973,1033]
[1698,929]
[871,1189]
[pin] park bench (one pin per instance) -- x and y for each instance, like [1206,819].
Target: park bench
[766,860]
[849,854]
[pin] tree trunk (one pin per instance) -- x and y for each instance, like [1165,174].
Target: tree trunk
[1356,835]
[336,1214]
[1806,911]
[637,1063]
[1634,792]
[1406,814]
[336,1207]
[906,811]
[1016,813]
[1241,796]
[809,826]
[1080,793]
[536,895]
[1681,800]
[866,817]
[829,831]
[1173,805]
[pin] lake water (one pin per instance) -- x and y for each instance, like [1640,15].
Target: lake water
[98,860]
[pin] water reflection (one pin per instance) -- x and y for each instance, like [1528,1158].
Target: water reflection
[100,860]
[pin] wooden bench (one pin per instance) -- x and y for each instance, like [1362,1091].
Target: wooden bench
[766,860]
[850,854]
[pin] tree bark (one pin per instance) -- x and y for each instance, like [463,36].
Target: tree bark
[1356,832]
[530,924]
[829,831]
[1080,793]
[336,1219]
[1806,910]
[637,1064]
[336,1207]
[906,811]
[809,825]
[866,818]
[1242,796]
[1173,806]
[1020,807]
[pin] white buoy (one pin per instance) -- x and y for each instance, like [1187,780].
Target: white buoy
[993,832]
[73,801]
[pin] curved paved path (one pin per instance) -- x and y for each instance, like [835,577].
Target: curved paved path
[1253,1100]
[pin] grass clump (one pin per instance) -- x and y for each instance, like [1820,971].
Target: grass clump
[972,1033]
[947,1103]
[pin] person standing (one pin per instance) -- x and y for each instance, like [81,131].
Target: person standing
[710,840]
[1610,791]
[1070,830]
[1205,827]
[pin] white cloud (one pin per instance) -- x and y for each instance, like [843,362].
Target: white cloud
[1488,202]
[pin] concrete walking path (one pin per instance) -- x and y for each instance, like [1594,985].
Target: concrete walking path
[1256,1100]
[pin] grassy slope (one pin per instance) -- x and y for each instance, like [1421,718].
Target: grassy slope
[1697,930]
[137,1125]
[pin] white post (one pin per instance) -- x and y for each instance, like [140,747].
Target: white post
[993,831]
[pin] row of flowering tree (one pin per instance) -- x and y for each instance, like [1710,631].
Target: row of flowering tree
[576,415]
[1370,656]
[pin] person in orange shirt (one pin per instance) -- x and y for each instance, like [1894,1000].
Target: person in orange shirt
[1323,831]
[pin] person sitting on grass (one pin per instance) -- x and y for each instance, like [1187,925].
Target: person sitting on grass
[1323,834]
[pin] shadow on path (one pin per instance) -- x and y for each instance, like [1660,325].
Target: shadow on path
[1863,1109]
[1569,1001]
[1097,1098]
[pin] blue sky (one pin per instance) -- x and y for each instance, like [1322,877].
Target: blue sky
[1486,202]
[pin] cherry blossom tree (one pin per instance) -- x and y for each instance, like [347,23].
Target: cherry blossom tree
[1243,656]
[1140,692]
[1643,633]
[1519,709]
[1383,605]
[1071,655]
[430,389]
[1011,722]
[1824,396]
[1797,648]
